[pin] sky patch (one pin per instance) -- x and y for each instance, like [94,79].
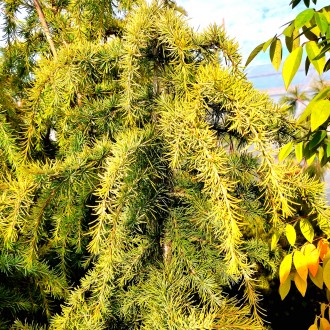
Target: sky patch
[250,22]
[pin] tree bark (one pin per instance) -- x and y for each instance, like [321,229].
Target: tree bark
[45,27]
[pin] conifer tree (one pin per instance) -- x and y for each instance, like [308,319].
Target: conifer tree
[139,184]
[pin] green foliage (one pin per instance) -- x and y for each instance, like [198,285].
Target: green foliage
[314,25]
[139,182]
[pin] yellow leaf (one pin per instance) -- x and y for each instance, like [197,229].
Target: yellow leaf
[326,258]
[313,49]
[325,11]
[285,151]
[318,278]
[323,247]
[290,234]
[312,256]
[311,159]
[291,66]
[300,262]
[323,308]
[285,267]
[299,149]
[285,288]
[320,96]
[307,229]
[295,39]
[313,28]
[275,53]
[300,284]
[276,236]
[327,293]
[324,323]
[267,43]
[326,275]
[313,327]
[320,111]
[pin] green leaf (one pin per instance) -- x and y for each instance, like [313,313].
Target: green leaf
[303,17]
[317,138]
[328,150]
[308,32]
[320,96]
[307,3]
[294,3]
[307,65]
[321,22]
[254,53]
[288,30]
[313,50]
[325,93]
[326,12]
[267,43]
[323,51]
[327,66]
[305,114]
[290,234]
[291,66]
[289,43]
[320,111]
[285,151]
[275,53]
[321,153]
[299,148]
[307,229]
[296,39]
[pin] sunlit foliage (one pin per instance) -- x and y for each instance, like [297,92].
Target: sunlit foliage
[139,185]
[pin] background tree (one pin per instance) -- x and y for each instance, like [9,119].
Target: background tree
[294,98]
[314,26]
[139,184]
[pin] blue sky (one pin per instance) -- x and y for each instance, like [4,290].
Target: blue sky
[251,22]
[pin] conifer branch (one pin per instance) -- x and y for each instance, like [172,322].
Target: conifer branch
[151,185]
[45,28]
